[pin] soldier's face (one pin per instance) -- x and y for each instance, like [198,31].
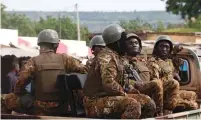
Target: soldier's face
[163,48]
[96,49]
[132,46]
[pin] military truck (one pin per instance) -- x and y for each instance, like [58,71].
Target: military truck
[190,73]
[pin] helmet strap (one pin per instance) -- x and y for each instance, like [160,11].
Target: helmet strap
[55,46]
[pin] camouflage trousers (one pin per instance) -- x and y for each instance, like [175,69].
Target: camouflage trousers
[187,100]
[133,106]
[12,102]
[154,89]
[170,95]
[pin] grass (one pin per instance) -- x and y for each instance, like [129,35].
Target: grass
[182,30]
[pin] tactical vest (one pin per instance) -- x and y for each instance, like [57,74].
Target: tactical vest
[143,71]
[166,68]
[93,86]
[48,66]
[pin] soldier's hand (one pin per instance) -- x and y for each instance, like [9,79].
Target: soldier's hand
[138,85]
[177,48]
[177,77]
[133,90]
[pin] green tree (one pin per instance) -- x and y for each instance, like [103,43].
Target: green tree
[160,26]
[22,23]
[196,24]
[85,34]
[185,8]
[136,25]
[14,21]
[66,28]
[4,16]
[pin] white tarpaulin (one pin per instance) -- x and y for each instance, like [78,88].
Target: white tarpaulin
[17,52]
[7,36]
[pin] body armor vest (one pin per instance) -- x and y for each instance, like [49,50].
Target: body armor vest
[48,66]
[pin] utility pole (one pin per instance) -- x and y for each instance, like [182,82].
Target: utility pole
[60,24]
[78,22]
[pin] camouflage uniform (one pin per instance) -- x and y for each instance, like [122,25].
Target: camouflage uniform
[151,87]
[89,62]
[45,108]
[159,69]
[104,95]
[171,65]
[187,99]
[13,100]
[96,41]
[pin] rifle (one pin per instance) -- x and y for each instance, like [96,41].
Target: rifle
[134,75]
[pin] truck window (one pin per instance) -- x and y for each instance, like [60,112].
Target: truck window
[184,73]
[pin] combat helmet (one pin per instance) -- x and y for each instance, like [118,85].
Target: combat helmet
[48,36]
[112,33]
[160,39]
[132,35]
[97,40]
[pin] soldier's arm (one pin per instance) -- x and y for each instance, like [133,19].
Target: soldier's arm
[73,65]
[23,80]
[154,69]
[88,64]
[108,72]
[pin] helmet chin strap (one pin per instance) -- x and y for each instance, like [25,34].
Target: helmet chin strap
[55,46]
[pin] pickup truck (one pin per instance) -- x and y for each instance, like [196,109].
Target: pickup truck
[190,74]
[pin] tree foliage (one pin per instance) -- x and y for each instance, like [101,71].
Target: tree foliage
[136,25]
[185,8]
[160,27]
[65,27]
[140,25]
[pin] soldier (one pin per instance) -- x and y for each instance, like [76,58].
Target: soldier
[104,95]
[45,68]
[96,44]
[162,66]
[152,88]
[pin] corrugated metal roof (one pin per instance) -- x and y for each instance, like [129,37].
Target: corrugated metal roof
[17,52]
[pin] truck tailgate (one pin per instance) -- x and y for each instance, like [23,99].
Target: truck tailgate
[192,114]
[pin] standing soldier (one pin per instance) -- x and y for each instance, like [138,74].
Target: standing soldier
[104,94]
[96,44]
[149,86]
[45,69]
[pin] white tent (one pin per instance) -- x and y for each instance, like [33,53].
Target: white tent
[17,52]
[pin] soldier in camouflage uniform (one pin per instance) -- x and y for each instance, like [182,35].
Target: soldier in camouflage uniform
[45,68]
[96,44]
[152,88]
[104,94]
[161,65]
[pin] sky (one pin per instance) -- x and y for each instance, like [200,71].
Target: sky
[84,5]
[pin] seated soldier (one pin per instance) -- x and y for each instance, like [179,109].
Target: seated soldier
[152,88]
[96,44]
[104,95]
[45,68]
[161,65]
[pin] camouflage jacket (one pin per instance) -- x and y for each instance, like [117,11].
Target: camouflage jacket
[89,62]
[71,65]
[105,76]
[139,65]
[160,68]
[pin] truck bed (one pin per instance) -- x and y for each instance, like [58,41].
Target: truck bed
[192,114]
